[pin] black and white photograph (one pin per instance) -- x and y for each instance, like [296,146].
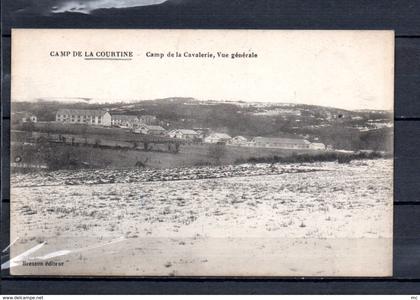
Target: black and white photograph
[201,152]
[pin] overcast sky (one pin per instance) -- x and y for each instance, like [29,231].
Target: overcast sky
[345,69]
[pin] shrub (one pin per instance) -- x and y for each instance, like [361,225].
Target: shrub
[309,158]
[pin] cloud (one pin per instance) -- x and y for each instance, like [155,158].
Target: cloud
[88,6]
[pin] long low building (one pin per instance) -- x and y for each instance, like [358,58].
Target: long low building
[185,134]
[216,137]
[128,121]
[281,143]
[84,116]
[24,117]
[150,129]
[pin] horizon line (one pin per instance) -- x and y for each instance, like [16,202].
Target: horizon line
[92,101]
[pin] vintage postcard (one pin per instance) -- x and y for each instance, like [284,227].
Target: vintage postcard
[201,153]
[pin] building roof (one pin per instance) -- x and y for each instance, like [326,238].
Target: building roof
[154,127]
[124,117]
[185,131]
[219,136]
[280,140]
[82,112]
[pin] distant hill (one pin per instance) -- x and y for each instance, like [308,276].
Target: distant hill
[343,129]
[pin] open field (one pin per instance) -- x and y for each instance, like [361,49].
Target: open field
[320,219]
[124,155]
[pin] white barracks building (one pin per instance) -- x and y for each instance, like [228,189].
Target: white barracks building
[83,116]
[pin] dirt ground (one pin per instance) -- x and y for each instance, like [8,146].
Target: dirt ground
[319,219]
